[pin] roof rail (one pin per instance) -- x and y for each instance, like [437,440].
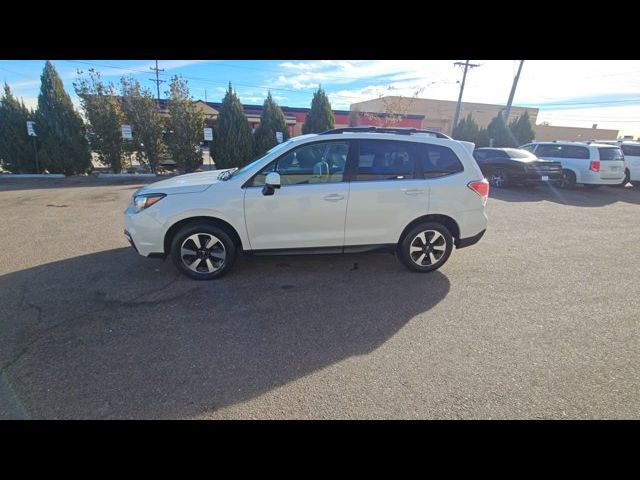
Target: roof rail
[397,130]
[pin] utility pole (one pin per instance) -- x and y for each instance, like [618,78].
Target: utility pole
[157,80]
[505,113]
[205,95]
[464,77]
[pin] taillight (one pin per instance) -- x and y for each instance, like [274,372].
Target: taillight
[594,165]
[481,187]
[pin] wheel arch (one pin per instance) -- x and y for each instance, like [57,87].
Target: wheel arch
[445,220]
[222,224]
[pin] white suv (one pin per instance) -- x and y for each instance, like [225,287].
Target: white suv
[413,192]
[589,164]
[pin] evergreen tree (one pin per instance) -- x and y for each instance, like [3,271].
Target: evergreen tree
[16,149]
[185,124]
[466,130]
[271,121]
[320,117]
[232,141]
[147,127]
[103,111]
[482,140]
[522,129]
[502,136]
[60,129]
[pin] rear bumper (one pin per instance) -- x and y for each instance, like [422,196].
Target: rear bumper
[467,242]
[535,177]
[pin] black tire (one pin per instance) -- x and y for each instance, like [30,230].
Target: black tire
[412,240]
[220,256]
[627,178]
[499,178]
[568,179]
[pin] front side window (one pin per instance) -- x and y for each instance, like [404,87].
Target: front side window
[556,151]
[322,162]
[437,160]
[385,160]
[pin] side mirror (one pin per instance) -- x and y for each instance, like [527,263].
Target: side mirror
[271,183]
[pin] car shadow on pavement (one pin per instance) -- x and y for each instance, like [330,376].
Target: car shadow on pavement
[579,196]
[114,335]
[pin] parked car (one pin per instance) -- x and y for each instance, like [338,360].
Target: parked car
[590,164]
[631,151]
[413,192]
[509,166]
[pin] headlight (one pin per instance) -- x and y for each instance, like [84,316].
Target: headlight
[140,202]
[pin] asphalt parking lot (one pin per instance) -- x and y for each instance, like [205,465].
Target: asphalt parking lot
[541,319]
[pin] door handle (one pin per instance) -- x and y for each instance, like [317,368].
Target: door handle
[414,191]
[334,197]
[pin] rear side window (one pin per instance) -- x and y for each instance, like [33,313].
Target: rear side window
[610,153]
[385,160]
[631,150]
[437,160]
[529,148]
[480,155]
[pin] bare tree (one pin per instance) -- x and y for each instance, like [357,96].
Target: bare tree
[394,108]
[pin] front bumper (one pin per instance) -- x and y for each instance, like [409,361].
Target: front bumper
[133,244]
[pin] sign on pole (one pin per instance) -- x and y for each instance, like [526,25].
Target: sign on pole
[126,132]
[30,131]
[208,134]
[279,137]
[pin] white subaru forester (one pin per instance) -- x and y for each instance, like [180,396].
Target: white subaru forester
[413,192]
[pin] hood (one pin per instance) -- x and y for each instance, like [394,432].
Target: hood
[189,183]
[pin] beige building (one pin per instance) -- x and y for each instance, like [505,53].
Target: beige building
[438,115]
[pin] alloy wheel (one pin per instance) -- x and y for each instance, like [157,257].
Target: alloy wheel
[203,253]
[427,248]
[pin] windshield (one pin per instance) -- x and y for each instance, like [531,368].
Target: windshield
[248,167]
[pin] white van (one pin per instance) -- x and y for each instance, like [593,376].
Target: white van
[590,164]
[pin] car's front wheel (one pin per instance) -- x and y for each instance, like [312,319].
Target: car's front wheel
[203,251]
[426,247]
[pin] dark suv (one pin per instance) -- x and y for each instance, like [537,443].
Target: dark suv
[509,166]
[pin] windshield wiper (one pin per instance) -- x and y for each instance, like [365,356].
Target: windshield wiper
[226,174]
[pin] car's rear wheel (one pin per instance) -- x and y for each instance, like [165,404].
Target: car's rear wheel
[627,178]
[426,247]
[568,179]
[203,251]
[499,178]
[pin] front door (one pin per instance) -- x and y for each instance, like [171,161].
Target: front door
[308,211]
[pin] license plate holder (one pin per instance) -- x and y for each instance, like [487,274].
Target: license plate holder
[544,178]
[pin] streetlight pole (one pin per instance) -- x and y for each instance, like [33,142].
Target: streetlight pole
[505,114]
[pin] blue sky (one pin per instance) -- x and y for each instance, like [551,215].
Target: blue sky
[571,93]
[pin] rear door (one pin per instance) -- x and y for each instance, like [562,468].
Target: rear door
[386,192]
[611,163]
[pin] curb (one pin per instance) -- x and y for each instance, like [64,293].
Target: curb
[34,175]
